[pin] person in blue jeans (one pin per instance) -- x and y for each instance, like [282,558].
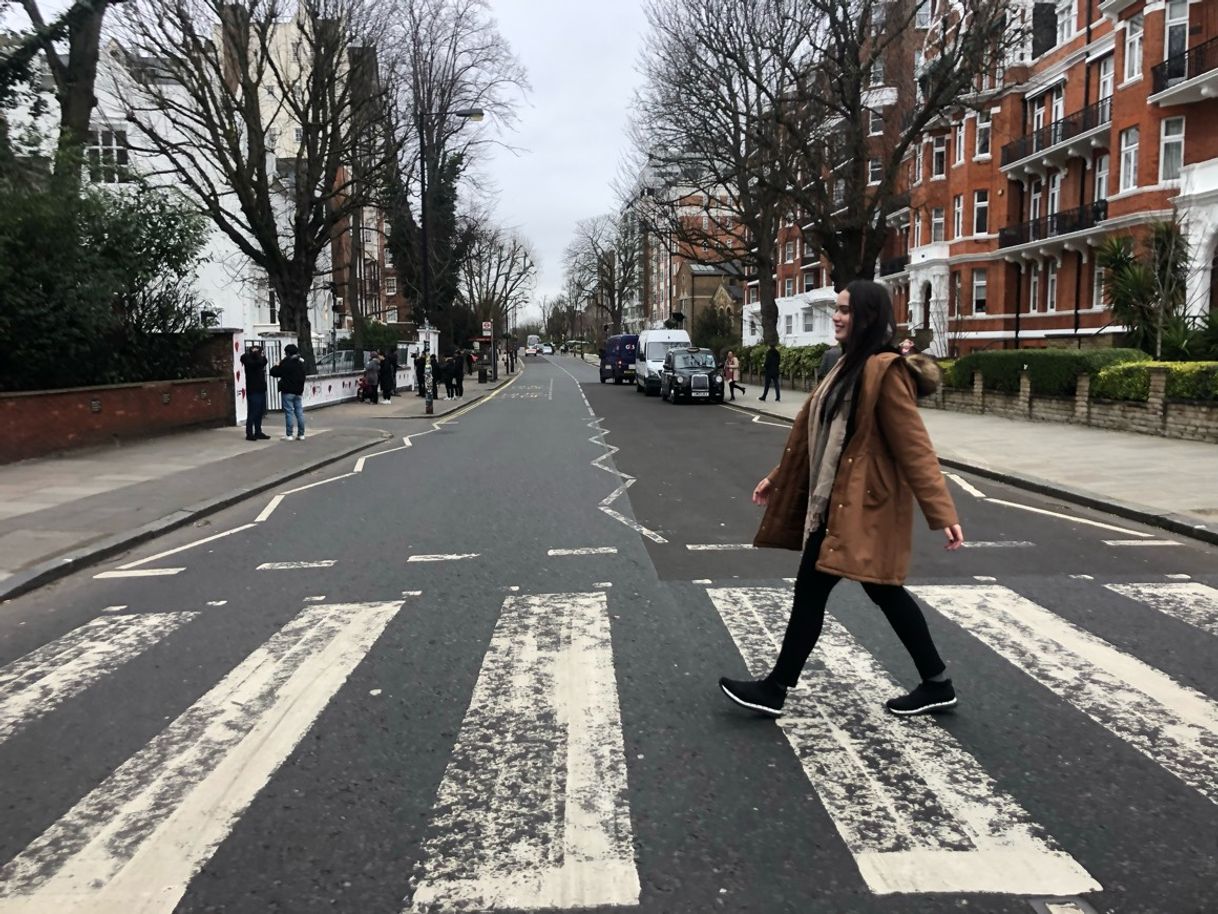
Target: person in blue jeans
[291,374]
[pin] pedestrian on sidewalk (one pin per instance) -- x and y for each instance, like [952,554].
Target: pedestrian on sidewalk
[856,457]
[420,374]
[731,371]
[435,375]
[291,374]
[372,376]
[907,346]
[459,374]
[389,374]
[450,377]
[254,362]
[770,366]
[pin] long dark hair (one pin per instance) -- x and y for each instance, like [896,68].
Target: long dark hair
[872,329]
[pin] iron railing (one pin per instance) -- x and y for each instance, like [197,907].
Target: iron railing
[1188,65]
[1063,223]
[1061,130]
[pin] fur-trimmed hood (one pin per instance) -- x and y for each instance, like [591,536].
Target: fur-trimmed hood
[927,374]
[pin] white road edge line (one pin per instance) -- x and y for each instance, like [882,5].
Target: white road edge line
[269,509]
[717,547]
[1141,543]
[457,556]
[634,525]
[965,484]
[590,550]
[134,843]
[320,482]
[998,544]
[544,711]
[1071,518]
[140,573]
[177,549]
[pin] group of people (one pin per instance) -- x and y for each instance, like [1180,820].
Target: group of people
[380,374]
[291,374]
[450,372]
[772,372]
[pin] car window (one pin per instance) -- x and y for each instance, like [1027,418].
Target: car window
[656,350]
[695,360]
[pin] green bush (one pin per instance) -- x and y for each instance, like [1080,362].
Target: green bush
[1053,372]
[1131,381]
[953,378]
[792,360]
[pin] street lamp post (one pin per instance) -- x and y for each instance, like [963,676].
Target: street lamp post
[470,114]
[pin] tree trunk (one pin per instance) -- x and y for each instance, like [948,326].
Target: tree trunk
[76,95]
[294,318]
[769,302]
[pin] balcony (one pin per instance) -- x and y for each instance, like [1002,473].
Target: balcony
[1188,77]
[894,265]
[1065,223]
[1053,144]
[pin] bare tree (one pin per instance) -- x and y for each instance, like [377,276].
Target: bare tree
[274,115]
[74,75]
[497,275]
[877,74]
[602,263]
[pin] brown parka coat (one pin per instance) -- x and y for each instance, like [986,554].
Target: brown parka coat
[887,461]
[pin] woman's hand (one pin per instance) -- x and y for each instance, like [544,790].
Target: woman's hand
[955,535]
[761,494]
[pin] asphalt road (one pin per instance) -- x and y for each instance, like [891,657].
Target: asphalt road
[475,670]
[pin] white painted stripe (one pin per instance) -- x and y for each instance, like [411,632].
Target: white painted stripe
[1193,602]
[39,682]
[1083,577]
[140,573]
[290,566]
[269,509]
[176,550]
[1070,517]
[717,547]
[456,556]
[320,482]
[1141,543]
[965,484]
[603,584]
[590,550]
[359,464]
[116,608]
[634,525]
[217,602]
[544,718]
[133,844]
[701,581]
[1172,724]
[915,809]
[998,544]
[983,577]
[1179,577]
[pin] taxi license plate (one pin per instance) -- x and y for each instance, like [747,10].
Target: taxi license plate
[701,393]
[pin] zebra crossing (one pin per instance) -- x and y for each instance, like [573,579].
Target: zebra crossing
[533,811]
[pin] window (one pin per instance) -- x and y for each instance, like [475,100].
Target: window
[809,321]
[875,171]
[391,285]
[981,212]
[922,16]
[1129,158]
[917,231]
[789,323]
[1051,286]
[1034,201]
[272,304]
[1106,77]
[955,303]
[936,224]
[875,124]
[788,288]
[1097,287]
[752,327]
[1101,176]
[958,143]
[957,215]
[788,252]
[918,162]
[1066,17]
[1055,193]
[298,134]
[754,294]
[980,280]
[1133,48]
[919,63]
[391,316]
[810,278]
[1034,287]
[877,72]
[107,156]
[1176,45]
[1171,149]
[982,142]
[938,159]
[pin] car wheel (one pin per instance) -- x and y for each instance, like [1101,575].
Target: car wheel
[638,388]
[617,380]
[674,399]
[602,379]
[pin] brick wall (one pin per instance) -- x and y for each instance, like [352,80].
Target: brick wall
[1158,416]
[35,423]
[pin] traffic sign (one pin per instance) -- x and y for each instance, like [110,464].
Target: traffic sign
[487,328]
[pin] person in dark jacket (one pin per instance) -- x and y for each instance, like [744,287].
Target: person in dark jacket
[450,377]
[435,374]
[372,376]
[389,374]
[291,374]
[420,373]
[459,374]
[770,367]
[254,363]
[828,360]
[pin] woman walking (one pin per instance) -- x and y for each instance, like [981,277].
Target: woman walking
[731,371]
[855,459]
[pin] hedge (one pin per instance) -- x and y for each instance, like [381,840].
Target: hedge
[793,360]
[1053,372]
[1131,381]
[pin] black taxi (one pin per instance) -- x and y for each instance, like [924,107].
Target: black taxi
[691,374]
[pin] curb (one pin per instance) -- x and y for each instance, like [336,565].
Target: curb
[32,578]
[1180,524]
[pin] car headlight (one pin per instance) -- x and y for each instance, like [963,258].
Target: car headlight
[681,379]
[718,379]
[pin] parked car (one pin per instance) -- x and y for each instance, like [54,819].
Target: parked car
[691,374]
[617,359]
[649,357]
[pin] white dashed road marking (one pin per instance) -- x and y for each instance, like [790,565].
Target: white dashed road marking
[591,550]
[1141,543]
[140,573]
[292,566]
[454,557]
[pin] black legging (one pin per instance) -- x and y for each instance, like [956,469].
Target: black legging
[812,589]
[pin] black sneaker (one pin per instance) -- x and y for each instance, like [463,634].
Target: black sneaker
[758,695]
[258,436]
[929,697]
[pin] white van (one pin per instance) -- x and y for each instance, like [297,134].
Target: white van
[649,357]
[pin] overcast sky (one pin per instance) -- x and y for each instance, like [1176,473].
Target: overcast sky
[581,59]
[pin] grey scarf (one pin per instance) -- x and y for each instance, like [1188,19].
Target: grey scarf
[826,441]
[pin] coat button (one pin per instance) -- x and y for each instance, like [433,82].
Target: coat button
[840,506]
[849,460]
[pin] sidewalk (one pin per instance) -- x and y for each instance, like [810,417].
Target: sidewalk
[63,512]
[1163,482]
